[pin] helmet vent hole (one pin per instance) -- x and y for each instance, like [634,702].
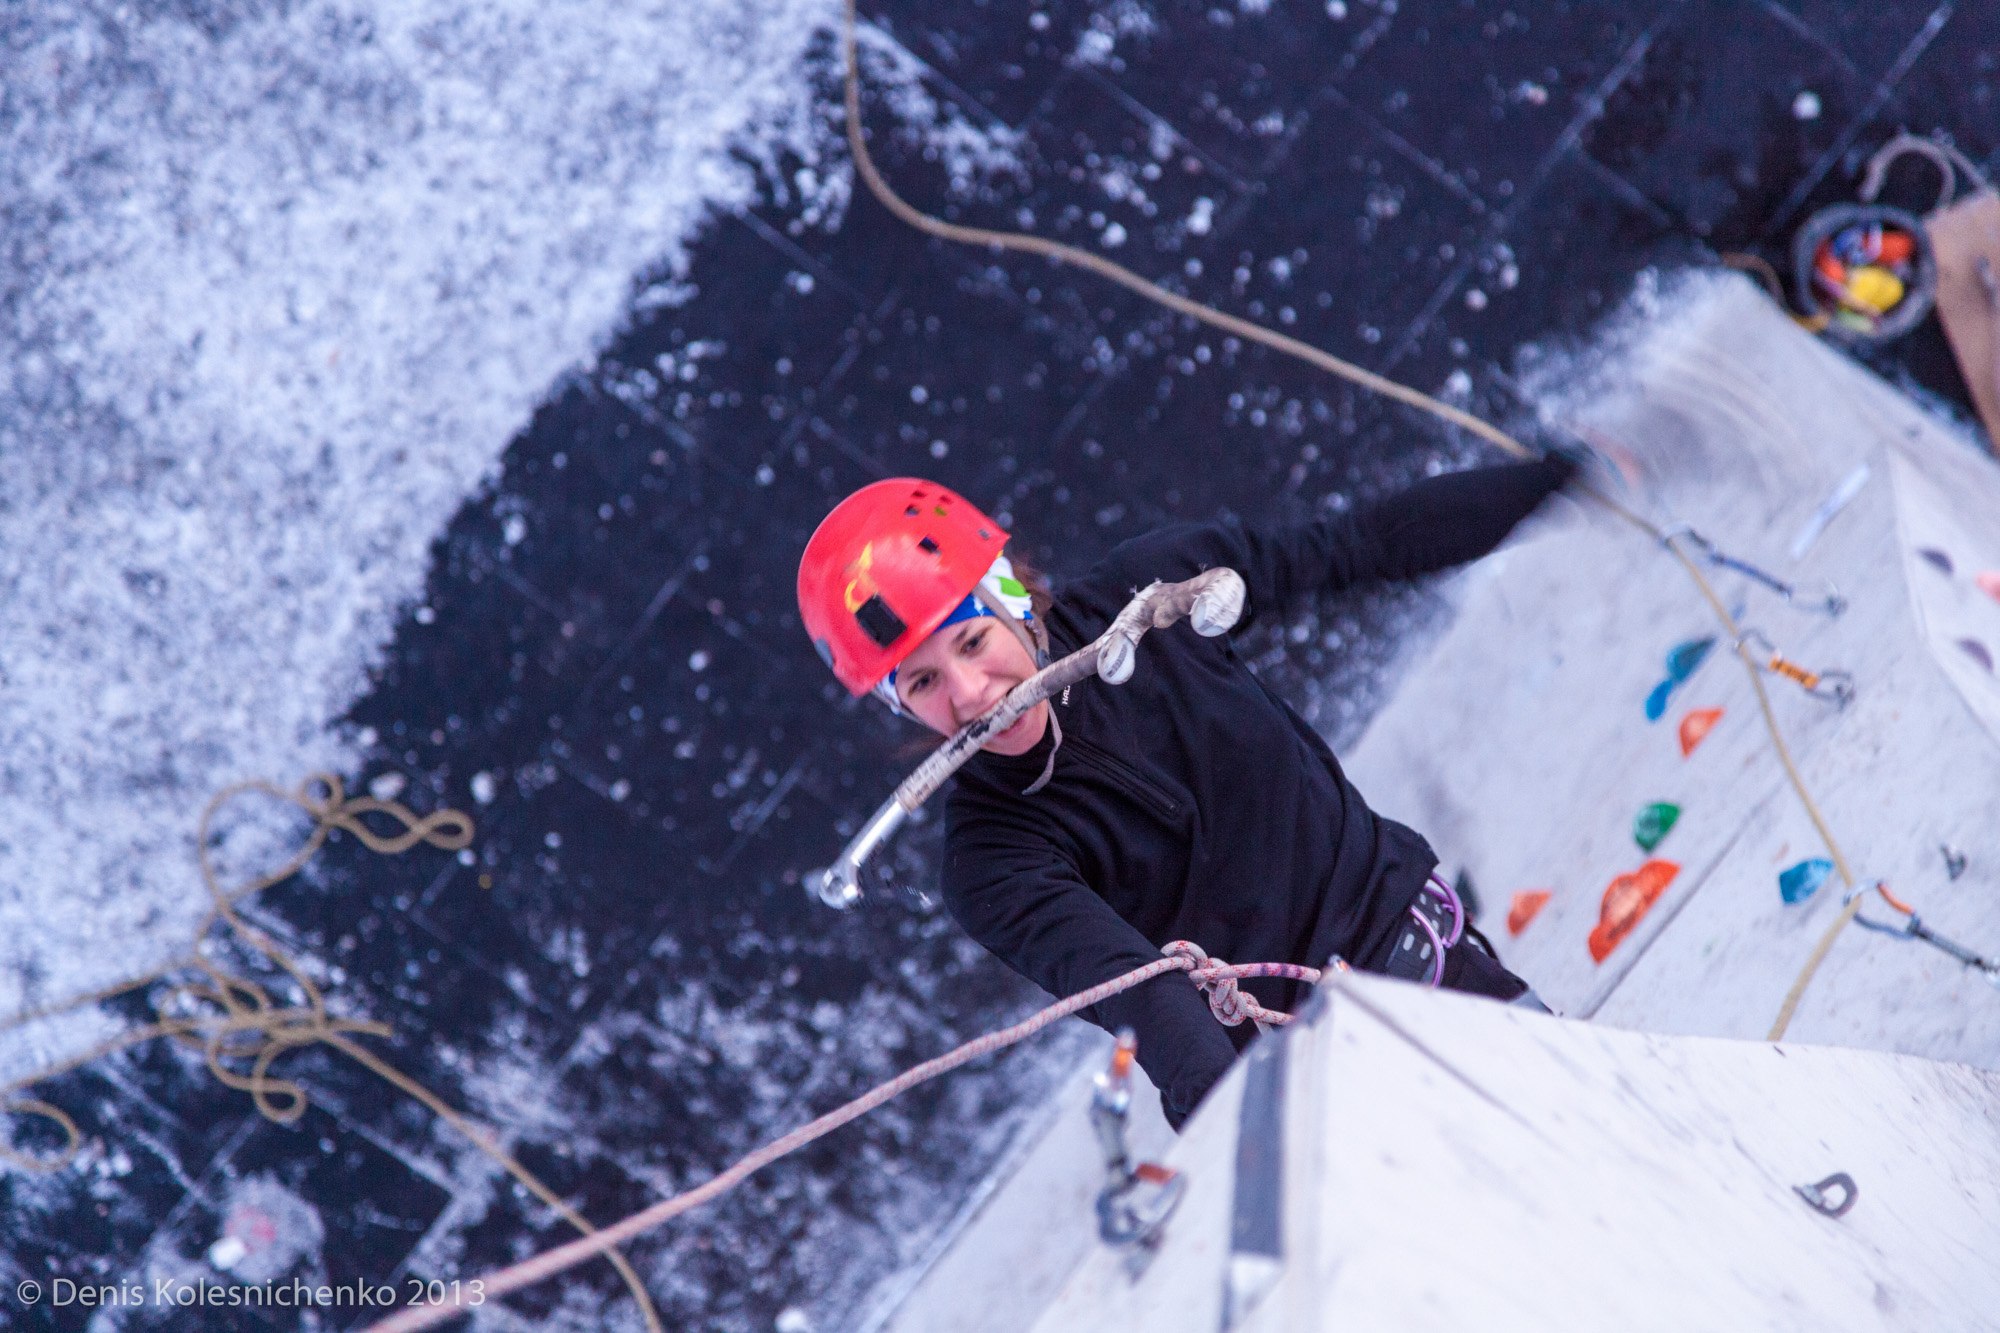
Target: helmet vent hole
[910,511]
[881,624]
[929,544]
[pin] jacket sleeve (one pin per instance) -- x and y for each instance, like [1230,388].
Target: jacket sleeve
[1430,525]
[1020,898]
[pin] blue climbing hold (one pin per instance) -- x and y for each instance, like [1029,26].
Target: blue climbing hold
[1682,661]
[1802,881]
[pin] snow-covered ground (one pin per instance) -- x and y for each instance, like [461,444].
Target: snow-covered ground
[280,282]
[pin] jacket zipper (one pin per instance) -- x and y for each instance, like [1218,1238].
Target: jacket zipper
[1129,778]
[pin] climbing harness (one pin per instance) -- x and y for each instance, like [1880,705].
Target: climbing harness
[1831,603]
[1421,951]
[1913,928]
[1211,603]
[1138,1197]
[1833,687]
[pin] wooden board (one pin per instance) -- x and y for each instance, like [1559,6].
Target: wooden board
[1960,236]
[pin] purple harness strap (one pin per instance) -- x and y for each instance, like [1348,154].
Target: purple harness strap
[1444,893]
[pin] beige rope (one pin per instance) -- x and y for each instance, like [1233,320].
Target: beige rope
[232,1019]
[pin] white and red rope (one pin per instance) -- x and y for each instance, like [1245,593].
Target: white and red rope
[1217,979]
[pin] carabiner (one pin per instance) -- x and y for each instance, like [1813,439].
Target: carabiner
[1832,604]
[1830,686]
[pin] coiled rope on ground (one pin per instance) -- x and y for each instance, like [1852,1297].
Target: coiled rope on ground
[235,1022]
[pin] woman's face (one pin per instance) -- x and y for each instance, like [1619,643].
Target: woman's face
[961,673]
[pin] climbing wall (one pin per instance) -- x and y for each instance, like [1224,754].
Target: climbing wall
[1522,745]
[1444,1163]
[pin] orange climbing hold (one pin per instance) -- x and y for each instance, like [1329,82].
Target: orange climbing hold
[1695,726]
[1626,903]
[1527,904]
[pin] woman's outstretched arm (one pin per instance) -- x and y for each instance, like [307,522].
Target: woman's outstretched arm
[1431,524]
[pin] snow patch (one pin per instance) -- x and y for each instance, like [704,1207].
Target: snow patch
[279,287]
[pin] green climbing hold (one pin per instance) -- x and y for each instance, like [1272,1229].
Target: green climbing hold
[1653,823]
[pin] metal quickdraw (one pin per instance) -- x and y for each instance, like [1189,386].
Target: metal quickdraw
[1137,1198]
[1832,604]
[1834,687]
[1913,928]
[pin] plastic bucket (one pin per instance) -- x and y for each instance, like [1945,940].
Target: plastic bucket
[1919,292]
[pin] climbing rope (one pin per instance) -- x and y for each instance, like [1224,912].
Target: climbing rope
[1217,983]
[1217,979]
[234,1021]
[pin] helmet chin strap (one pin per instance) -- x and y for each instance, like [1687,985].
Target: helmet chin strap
[1034,636]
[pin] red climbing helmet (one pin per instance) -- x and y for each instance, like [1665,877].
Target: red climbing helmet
[885,568]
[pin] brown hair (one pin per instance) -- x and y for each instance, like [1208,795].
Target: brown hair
[1040,596]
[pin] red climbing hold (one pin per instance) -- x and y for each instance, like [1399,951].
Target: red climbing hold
[1626,903]
[1696,725]
[1989,583]
[1526,905]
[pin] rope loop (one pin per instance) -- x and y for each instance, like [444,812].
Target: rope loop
[1939,152]
[40,1110]
[1217,980]
[446,829]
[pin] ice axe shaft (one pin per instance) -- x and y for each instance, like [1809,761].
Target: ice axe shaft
[1211,602]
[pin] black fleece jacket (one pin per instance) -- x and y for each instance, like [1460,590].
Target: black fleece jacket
[1191,802]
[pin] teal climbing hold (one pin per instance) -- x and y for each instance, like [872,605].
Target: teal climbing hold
[1653,823]
[1802,881]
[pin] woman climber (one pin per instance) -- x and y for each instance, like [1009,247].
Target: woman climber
[1188,803]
